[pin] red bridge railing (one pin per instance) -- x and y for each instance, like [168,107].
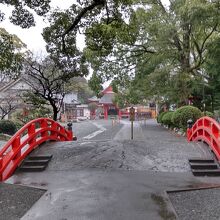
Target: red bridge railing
[207,130]
[28,138]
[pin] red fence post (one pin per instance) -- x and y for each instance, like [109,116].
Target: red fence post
[63,132]
[1,163]
[54,128]
[16,146]
[43,124]
[31,131]
[188,133]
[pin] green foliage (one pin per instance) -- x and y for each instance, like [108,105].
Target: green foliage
[163,51]
[183,114]
[209,114]
[20,119]
[160,117]
[212,90]
[12,50]
[92,106]
[166,48]
[95,83]
[167,119]
[10,53]
[7,127]
[22,13]
[80,86]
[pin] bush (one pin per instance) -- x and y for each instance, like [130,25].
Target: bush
[209,114]
[183,114]
[167,119]
[7,127]
[160,116]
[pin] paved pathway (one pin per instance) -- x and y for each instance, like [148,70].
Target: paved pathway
[115,179]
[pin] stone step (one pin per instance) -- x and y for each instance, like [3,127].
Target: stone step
[204,166]
[40,157]
[35,162]
[201,160]
[27,168]
[215,172]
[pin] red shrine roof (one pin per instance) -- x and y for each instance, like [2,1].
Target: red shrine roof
[107,96]
[93,99]
[108,90]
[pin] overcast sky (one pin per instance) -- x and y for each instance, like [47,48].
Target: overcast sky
[32,37]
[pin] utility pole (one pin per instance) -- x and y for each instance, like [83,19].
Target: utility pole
[132,118]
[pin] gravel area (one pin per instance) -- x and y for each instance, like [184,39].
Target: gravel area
[16,200]
[197,204]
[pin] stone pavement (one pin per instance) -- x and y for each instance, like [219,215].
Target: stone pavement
[116,179]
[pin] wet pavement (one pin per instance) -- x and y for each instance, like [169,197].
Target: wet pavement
[118,178]
[96,129]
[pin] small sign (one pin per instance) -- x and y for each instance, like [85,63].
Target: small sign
[132,114]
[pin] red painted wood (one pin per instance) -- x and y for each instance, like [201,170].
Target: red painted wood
[207,130]
[28,138]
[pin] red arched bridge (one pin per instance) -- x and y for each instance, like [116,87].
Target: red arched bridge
[207,130]
[27,139]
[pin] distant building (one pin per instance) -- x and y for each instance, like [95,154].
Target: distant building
[14,90]
[94,107]
[105,105]
[109,107]
[11,94]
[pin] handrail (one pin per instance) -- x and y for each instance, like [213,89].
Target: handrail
[207,130]
[28,138]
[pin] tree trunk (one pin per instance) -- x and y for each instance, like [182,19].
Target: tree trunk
[55,111]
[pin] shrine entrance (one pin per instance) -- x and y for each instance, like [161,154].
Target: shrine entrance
[112,110]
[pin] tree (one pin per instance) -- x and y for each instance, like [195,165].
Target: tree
[47,82]
[95,83]
[22,13]
[80,86]
[37,106]
[11,54]
[92,106]
[157,42]
[212,91]
[12,48]
[7,104]
[125,37]
[61,35]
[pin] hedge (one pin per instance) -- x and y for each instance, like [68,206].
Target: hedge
[7,127]
[160,116]
[183,114]
[167,119]
[209,114]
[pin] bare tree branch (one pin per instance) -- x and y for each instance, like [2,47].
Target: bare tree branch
[78,18]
